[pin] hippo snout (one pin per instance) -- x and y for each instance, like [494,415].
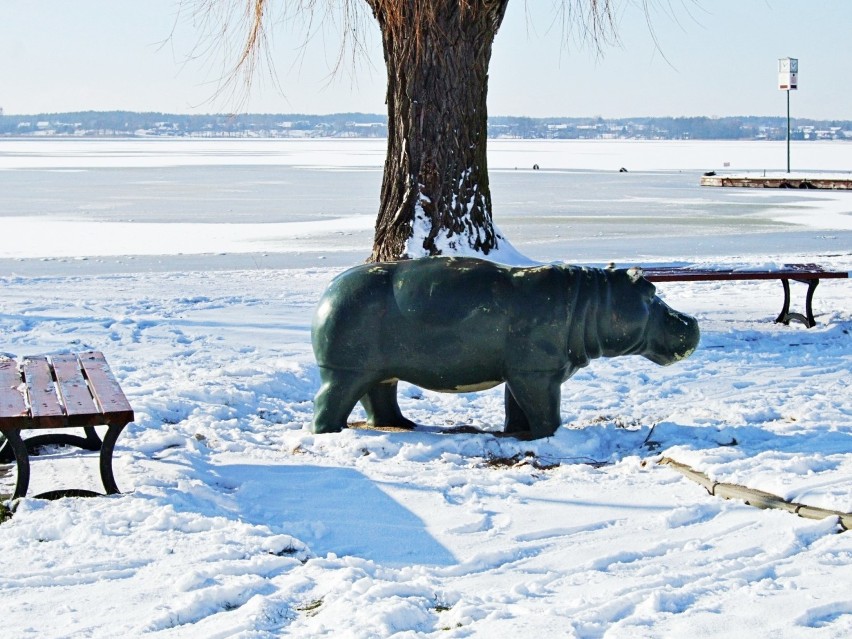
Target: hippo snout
[672,336]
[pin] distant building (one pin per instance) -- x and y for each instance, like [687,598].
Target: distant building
[122,123]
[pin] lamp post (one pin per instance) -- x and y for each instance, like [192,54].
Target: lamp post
[788,79]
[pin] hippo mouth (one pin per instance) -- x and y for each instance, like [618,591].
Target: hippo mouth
[671,336]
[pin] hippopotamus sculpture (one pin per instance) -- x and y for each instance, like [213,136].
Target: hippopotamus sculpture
[463,324]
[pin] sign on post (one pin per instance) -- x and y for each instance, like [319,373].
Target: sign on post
[788,79]
[788,74]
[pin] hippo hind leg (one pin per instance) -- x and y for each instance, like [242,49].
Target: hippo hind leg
[533,404]
[339,392]
[383,409]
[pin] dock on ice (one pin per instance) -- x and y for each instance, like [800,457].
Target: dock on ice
[780,180]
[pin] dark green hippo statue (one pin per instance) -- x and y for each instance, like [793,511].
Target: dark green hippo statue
[462,324]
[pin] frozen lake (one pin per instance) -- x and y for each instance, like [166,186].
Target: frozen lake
[215,204]
[196,266]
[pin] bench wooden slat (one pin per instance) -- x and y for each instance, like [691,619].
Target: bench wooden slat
[661,275]
[74,391]
[107,393]
[41,393]
[12,404]
[691,274]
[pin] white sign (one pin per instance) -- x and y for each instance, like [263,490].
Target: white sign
[788,74]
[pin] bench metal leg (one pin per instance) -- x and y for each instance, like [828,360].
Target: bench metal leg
[21,448]
[107,447]
[90,442]
[22,460]
[809,298]
[6,454]
[783,316]
[786,316]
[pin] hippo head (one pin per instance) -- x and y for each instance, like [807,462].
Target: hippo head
[638,322]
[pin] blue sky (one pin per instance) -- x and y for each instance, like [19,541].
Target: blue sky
[711,57]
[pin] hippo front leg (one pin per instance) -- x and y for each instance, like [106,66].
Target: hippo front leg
[516,419]
[339,392]
[533,404]
[383,409]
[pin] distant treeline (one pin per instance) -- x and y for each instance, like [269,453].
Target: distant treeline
[298,125]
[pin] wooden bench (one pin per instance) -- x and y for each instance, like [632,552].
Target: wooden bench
[809,274]
[60,391]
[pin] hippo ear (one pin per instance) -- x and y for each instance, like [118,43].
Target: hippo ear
[635,273]
[637,278]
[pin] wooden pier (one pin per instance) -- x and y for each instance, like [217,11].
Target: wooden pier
[780,181]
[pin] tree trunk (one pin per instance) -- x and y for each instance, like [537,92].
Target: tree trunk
[435,195]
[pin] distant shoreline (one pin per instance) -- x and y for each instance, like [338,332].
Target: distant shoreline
[121,124]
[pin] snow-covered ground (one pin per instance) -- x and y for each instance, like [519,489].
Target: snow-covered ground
[236,521]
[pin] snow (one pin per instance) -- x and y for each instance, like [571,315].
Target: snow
[236,521]
[459,244]
[52,238]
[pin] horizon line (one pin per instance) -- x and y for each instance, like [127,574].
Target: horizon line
[383,115]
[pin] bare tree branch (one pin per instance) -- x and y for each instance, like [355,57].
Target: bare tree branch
[243,26]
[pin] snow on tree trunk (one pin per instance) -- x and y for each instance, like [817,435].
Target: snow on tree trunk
[435,194]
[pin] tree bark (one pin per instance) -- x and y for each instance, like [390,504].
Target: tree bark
[435,194]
